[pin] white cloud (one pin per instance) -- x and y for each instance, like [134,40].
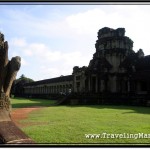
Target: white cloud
[24,62]
[134,18]
[79,30]
[31,25]
[86,22]
[51,63]
[13,54]
[48,72]
[19,42]
[41,52]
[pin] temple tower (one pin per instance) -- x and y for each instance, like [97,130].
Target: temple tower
[112,47]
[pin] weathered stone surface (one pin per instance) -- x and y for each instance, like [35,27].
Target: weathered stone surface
[9,132]
[8,72]
[111,64]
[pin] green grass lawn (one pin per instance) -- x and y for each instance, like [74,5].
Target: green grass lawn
[69,124]
[22,102]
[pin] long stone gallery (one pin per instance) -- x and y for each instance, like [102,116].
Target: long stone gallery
[116,74]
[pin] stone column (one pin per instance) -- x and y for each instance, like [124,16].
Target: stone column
[102,85]
[49,89]
[128,86]
[89,83]
[96,84]
[31,90]
[114,84]
[40,90]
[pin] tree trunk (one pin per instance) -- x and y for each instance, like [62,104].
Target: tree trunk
[9,132]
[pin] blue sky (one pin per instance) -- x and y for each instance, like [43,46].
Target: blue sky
[52,39]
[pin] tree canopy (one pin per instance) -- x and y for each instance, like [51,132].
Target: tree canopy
[17,88]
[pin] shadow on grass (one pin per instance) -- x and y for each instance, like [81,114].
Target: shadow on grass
[131,109]
[30,102]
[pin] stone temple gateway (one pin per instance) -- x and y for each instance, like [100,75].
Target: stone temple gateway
[115,69]
[106,71]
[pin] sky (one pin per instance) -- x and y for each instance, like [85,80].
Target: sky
[52,39]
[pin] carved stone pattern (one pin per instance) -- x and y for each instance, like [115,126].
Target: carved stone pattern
[4,101]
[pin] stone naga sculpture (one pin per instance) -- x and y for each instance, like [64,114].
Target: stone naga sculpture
[8,72]
[9,132]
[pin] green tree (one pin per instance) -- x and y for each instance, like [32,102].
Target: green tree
[18,85]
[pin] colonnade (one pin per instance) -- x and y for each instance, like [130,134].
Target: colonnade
[48,89]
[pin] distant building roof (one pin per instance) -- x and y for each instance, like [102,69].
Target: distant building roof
[52,80]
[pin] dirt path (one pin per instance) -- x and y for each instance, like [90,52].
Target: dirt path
[22,113]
